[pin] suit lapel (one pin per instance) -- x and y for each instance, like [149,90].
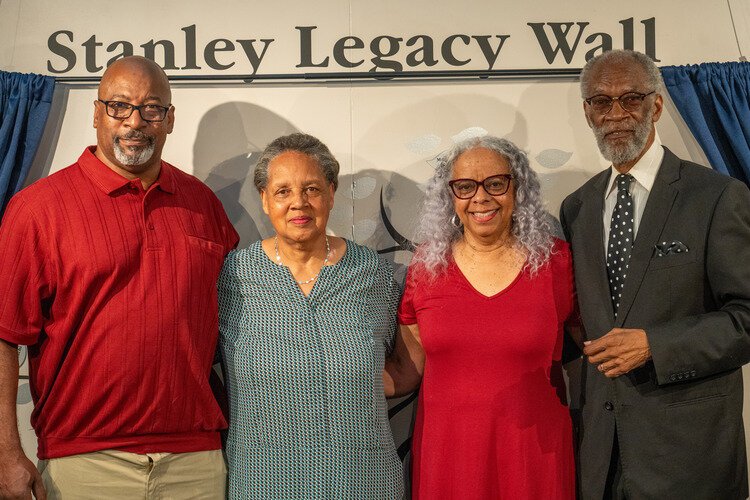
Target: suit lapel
[659,204]
[594,271]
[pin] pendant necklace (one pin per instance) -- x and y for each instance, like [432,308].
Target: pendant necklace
[305,282]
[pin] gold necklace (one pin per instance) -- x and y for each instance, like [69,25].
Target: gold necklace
[305,282]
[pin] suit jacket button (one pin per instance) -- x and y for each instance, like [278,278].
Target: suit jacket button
[609,406]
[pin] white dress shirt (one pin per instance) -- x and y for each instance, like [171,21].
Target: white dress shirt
[644,172]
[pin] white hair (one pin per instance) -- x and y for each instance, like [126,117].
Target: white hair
[530,224]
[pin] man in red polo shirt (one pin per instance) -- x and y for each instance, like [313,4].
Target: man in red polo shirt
[109,276]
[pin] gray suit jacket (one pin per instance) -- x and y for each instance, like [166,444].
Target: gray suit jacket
[679,417]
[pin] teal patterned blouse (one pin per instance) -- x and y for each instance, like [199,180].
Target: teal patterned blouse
[308,418]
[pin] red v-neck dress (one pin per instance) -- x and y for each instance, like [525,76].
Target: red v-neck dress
[491,421]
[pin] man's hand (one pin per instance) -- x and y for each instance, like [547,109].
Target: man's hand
[19,478]
[619,351]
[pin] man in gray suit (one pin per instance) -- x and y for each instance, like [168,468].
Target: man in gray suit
[661,250]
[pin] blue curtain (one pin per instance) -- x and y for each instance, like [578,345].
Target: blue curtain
[714,101]
[25,101]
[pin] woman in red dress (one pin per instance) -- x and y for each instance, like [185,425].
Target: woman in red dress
[482,316]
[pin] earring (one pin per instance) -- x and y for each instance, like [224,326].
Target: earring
[455,220]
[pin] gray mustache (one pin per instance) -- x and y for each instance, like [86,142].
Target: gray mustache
[135,134]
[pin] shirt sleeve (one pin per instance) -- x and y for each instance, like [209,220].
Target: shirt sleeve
[406,310]
[25,279]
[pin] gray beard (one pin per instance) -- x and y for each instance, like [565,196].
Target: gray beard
[620,155]
[139,157]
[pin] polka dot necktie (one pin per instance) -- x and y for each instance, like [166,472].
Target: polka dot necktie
[620,243]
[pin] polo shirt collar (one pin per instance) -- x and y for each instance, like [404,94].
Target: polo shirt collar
[110,181]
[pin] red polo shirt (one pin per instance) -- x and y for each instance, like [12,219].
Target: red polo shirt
[113,289]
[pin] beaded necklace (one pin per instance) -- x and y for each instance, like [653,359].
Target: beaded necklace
[305,282]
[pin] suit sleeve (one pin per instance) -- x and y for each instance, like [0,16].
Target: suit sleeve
[719,340]
[563,222]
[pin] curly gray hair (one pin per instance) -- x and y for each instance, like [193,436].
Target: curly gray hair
[530,224]
[301,143]
[653,75]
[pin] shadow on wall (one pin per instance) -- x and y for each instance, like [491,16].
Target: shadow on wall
[384,214]
[228,143]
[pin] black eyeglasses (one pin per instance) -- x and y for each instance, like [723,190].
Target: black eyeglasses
[123,110]
[629,101]
[494,185]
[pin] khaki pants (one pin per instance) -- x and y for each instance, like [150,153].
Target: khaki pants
[153,476]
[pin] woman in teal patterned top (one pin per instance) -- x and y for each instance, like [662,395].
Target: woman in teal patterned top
[306,320]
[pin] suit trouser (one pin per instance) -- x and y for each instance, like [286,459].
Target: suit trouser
[119,474]
[614,488]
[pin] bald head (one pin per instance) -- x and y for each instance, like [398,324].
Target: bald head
[133,68]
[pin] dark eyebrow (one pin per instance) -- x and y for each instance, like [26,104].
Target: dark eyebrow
[125,98]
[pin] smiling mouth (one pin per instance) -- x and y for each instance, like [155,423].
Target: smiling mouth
[484,216]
